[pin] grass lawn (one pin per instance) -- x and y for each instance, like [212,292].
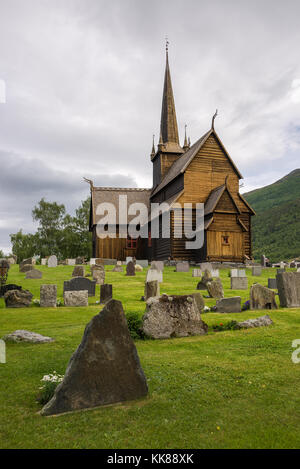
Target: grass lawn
[233,389]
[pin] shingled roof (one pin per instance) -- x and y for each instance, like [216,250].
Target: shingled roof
[180,165]
[111,195]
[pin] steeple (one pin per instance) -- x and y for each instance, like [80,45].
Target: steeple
[153,149]
[186,144]
[168,123]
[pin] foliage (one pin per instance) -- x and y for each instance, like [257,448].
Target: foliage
[58,233]
[1,254]
[134,322]
[50,383]
[276,225]
[246,305]
[229,326]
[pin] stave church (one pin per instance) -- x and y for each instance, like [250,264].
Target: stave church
[200,173]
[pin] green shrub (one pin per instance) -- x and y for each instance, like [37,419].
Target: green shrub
[50,383]
[135,326]
[229,326]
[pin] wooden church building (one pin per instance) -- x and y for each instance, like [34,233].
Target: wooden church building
[201,173]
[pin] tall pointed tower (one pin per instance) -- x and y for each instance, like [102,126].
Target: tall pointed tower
[169,149]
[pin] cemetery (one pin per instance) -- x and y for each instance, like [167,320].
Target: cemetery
[157,357]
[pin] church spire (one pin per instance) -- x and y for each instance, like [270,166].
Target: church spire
[168,123]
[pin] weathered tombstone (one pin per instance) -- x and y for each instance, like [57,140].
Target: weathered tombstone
[26,262]
[79,284]
[229,305]
[105,293]
[110,261]
[105,368]
[44,261]
[199,301]
[282,265]
[262,297]
[48,296]
[215,288]
[239,283]
[205,266]
[138,268]
[21,335]
[215,273]
[98,274]
[26,268]
[272,283]
[76,298]
[288,284]
[129,259]
[99,261]
[117,268]
[97,267]
[92,261]
[130,269]
[257,322]
[52,261]
[202,285]
[152,289]
[34,274]
[263,261]
[79,260]
[182,267]
[11,260]
[17,298]
[158,264]
[143,262]
[292,265]
[197,272]
[154,274]
[173,316]
[71,261]
[280,271]
[78,271]
[238,273]
[7,287]
[256,271]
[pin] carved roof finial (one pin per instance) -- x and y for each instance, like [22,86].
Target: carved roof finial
[90,182]
[213,119]
[153,147]
[185,145]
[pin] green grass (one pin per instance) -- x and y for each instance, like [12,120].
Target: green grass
[233,389]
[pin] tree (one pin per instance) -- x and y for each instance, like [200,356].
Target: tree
[23,245]
[1,254]
[76,239]
[50,216]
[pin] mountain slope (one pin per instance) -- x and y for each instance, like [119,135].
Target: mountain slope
[276,226]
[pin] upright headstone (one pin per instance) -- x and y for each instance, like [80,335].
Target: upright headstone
[52,261]
[130,269]
[205,266]
[92,261]
[44,261]
[78,271]
[197,272]
[76,298]
[154,274]
[288,284]
[262,297]
[158,264]
[117,268]
[263,261]
[151,289]
[182,267]
[79,284]
[105,293]
[26,262]
[229,305]
[48,296]
[105,368]
[143,262]
[129,259]
[202,285]
[239,283]
[34,274]
[215,288]
[71,261]
[79,260]
[256,271]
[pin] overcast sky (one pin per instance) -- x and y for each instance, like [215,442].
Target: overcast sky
[84,85]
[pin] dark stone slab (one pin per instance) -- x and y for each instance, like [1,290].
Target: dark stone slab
[17,298]
[272,283]
[130,269]
[288,284]
[9,286]
[105,368]
[105,293]
[79,284]
[229,305]
[262,297]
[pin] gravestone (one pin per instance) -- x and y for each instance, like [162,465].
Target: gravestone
[44,261]
[78,271]
[117,268]
[197,272]
[205,266]
[239,283]
[79,260]
[105,369]
[99,261]
[238,273]
[262,297]
[110,261]
[143,262]
[182,267]
[229,305]
[7,287]
[263,261]
[92,261]
[257,322]
[215,273]
[272,283]
[34,274]
[79,284]
[26,262]
[152,289]
[172,316]
[48,296]
[27,336]
[292,265]
[138,268]
[130,269]
[282,265]
[202,285]
[17,298]
[105,293]
[26,268]
[280,271]
[256,271]
[199,301]
[215,289]
[154,274]
[129,259]
[76,298]
[71,261]
[158,264]
[288,284]
[52,261]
